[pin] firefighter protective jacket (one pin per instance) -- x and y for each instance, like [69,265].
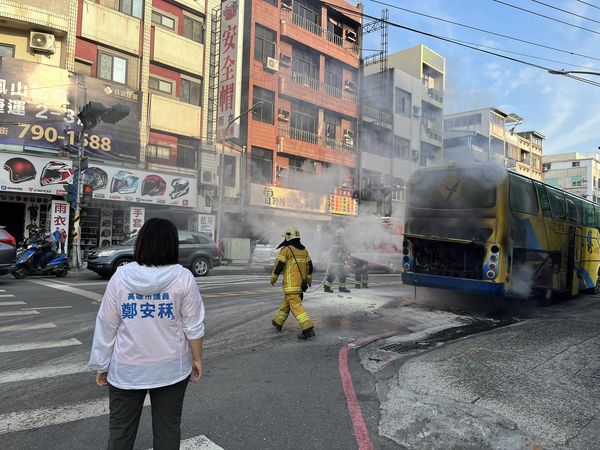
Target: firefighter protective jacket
[293,273]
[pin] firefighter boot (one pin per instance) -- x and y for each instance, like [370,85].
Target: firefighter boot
[276,325]
[344,290]
[357,285]
[307,334]
[328,289]
[365,285]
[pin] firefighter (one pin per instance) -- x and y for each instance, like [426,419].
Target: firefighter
[361,273]
[294,261]
[339,255]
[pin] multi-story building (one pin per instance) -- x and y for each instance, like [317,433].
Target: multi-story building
[295,158]
[144,56]
[488,135]
[401,125]
[574,172]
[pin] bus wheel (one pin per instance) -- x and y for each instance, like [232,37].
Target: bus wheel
[596,289]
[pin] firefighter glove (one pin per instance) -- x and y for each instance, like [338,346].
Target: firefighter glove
[309,280]
[273,279]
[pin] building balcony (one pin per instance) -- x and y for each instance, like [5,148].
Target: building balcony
[309,33]
[110,27]
[172,116]
[378,117]
[177,51]
[434,95]
[310,145]
[298,85]
[431,134]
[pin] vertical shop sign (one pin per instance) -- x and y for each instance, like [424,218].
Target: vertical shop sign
[206,224]
[136,218]
[59,223]
[230,68]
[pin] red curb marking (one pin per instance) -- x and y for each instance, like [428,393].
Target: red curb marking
[358,422]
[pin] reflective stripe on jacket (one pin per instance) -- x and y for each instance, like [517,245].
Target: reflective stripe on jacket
[293,273]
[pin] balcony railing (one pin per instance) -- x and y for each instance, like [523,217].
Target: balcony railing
[382,116]
[315,139]
[318,30]
[433,133]
[435,94]
[312,83]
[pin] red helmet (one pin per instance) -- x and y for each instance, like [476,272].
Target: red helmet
[153,185]
[20,170]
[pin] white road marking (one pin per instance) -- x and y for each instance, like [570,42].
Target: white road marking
[18,313]
[55,415]
[198,443]
[6,295]
[71,289]
[36,373]
[84,283]
[38,345]
[46,307]
[2,290]
[28,326]
[11,303]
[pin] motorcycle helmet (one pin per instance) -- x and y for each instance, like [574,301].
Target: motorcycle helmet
[105,232]
[153,185]
[20,170]
[179,188]
[124,183]
[55,173]
[96,177]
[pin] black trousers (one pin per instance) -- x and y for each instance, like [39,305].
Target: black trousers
[126,408]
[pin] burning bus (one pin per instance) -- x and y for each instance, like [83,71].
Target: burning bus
[481,229]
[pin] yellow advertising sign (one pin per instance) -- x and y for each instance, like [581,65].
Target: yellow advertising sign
[278,197]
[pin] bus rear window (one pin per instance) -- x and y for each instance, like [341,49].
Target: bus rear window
[453,189]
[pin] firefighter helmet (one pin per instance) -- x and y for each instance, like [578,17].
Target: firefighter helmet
[291,233]
[20,170]
[339,233]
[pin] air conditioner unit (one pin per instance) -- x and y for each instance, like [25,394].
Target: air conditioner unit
[415,155]
[272,65]
[349,86]
[209,177]
[283,115]
[285,60]
[348,137]
[351,36]
[416,111]
[287,4]
[41,42]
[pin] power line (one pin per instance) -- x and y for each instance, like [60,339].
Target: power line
[588,4]
[546,17]
[453,41]
[493,33]
[565,11]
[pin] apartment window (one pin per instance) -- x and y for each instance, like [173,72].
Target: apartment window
[193,29]
[263,112]
[264,43]
[575,164]
[158,151]
[305,62]
[577,181]
[132,7]
[403,102]
[332,124]
[304,117]
[335,29]
[547,166]
[187,150]
[162,20]
[334,74]
[261,165]
[272,2]
[112,68]
[156,84]
[229,170]
[7,50]
[191,92]
[308,12]
[401,148]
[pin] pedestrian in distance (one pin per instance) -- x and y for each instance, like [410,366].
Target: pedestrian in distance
[294,261]
[148,338]
[63,240]
[337,269]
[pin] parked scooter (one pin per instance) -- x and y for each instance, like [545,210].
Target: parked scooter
[25,266]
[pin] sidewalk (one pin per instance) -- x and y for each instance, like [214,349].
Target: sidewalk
[533,384]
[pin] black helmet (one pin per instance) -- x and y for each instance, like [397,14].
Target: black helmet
[97,178]
[153,185]
[20,170]
[179,188]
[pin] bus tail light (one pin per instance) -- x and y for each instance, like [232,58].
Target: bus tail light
[491,274]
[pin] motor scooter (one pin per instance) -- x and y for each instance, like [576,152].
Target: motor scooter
[25,266]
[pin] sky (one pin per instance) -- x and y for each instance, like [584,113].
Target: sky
[566,111]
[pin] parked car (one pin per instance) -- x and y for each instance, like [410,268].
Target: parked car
[8,251]
[197,252]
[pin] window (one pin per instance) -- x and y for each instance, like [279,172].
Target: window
[551,181]
[336,32]
[265,111]
[156,84]
[264,43]
[333,74]
[186,152]
[557,204]
[261,165]
[229,170]
[112,68]
[543,197]
[158,151]
[403,102]
[193,29]
[575,164]
[588,214]
[522,195]
[305,62]
[272,2]
[401,148]
[132,7]
[306,12]
[332,124]
[577,181]
[162,20]
[304,117]
[186,238]
[547,166]
[191,92]
[573,210]
[7,50]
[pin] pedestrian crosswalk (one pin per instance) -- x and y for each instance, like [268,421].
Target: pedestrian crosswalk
[44,346]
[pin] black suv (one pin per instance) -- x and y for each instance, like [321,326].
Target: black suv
[197,252]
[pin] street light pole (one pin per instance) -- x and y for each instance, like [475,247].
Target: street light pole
[222,169]
[76,257]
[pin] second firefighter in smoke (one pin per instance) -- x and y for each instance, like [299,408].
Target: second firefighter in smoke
[339,255]
[294,261]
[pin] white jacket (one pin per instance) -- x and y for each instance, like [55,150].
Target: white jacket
[146,318]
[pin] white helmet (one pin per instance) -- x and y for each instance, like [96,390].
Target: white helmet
[291,233]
